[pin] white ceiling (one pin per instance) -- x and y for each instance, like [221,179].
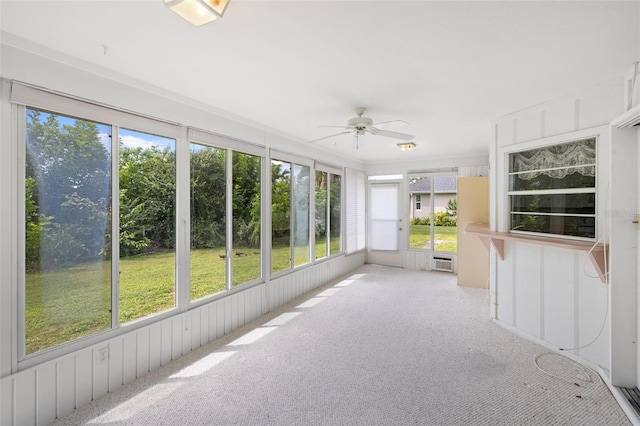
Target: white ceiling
[448,68]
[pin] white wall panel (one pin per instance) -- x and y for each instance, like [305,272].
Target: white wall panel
[6,402]
[166,342]
[559,282]
[25,397]
[142,352]
[504,286]
[528,288]
[560,117]
[46,393]
[84,375]
[592,316]
[129,357]
[155,346]
[529,125]
[100,373]
[66,372]
[505,131]
[116,362]
[176,336]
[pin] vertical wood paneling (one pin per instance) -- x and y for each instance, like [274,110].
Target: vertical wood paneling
[220,328]
[227,314]
[6,402]
[185,334]
[25,397]
[592,314]
[66,374]
[195,319]
[166,328]
[177,327]
[528,305]
[155,346]
[84,376]
[129,357]
[559,282]
[100,373]
[142,352]
[46,393]
[116,363]
[204,325]
[236,307]
[506,285]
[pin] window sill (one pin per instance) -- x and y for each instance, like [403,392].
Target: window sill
[489,238]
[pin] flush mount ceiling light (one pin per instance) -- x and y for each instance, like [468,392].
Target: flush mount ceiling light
[198,12]
[405,146]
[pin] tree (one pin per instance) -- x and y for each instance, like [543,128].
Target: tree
[67,188]
[452,207]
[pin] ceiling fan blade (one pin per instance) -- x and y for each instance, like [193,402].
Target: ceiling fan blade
[390,134]
[331,136]
[392,122]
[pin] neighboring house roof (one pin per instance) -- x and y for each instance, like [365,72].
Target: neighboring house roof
[443,184]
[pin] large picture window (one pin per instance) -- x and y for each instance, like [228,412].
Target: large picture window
[67,245]
[552,190]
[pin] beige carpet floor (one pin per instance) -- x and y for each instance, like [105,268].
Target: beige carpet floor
[384,346]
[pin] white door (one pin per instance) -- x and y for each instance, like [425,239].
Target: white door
[385,224]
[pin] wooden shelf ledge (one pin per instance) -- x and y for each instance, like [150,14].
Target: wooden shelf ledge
[489,238]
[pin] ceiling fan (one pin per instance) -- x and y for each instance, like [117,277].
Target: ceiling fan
[360,125]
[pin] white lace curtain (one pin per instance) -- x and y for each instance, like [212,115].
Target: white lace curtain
[556,161]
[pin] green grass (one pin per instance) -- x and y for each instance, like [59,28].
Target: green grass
[445,237]
[74,302]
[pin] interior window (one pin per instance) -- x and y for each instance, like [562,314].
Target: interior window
[552,190]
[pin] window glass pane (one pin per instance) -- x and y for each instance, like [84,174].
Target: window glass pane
[559,225]
[246,263]
[280,215]
[420,218]
[577,153]
[583,203]
[208,213]
[445,231]
[335,213]
[300,204]
[321,214]
[68,229]
[147,224]
[577,177]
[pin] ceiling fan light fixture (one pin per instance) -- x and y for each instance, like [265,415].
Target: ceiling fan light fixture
[406,146]
[198,12]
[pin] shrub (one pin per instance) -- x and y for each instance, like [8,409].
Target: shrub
[443,219]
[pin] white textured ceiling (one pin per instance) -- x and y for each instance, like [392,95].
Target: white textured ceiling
[447,68]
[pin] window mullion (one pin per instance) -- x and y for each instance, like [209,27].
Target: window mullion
[115,227]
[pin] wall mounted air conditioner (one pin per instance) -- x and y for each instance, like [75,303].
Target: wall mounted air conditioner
[442,263]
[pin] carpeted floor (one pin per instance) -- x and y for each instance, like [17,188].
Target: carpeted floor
[385,346]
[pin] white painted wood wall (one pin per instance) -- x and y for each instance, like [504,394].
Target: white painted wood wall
[549,294]
[40,394]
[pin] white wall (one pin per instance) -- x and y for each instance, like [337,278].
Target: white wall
[55,386]
[546,293]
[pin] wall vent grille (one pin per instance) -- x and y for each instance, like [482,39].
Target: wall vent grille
[441,263]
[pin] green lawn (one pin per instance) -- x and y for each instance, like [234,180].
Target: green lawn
[445,237]
[74,302]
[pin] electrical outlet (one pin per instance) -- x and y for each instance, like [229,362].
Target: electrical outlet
[103,355]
